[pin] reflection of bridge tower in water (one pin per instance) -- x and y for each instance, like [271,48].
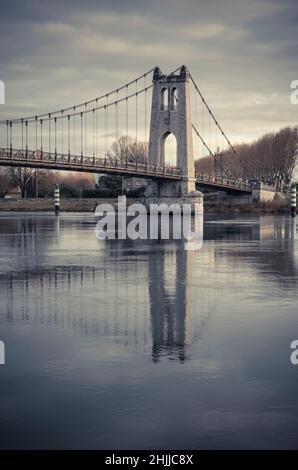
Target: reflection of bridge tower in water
[169,296]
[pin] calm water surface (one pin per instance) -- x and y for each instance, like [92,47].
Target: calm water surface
[124,344]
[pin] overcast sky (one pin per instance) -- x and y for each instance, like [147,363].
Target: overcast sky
[242,53]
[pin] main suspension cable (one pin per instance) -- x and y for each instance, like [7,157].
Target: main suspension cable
[80,105]
[209,150]
[218,125]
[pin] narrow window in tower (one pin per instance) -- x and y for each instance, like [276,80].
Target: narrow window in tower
[164,97]
[174,98]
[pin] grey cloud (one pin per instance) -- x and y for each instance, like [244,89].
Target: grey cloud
[55,54]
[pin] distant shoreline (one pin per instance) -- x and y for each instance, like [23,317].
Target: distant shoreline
[89,205]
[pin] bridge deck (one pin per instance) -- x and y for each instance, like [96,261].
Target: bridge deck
[55,161]
[66,162]
[220,183]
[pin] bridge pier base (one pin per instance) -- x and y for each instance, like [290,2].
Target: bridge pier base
[263,193]
[195,202]
[174,192]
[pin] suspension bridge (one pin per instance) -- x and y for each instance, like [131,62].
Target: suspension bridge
[120,133]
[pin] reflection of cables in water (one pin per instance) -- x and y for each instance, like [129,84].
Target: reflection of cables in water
[70,320]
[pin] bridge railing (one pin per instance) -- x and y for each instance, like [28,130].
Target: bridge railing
[40,158]
[222,181]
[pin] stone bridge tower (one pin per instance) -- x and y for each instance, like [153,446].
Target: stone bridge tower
[171,114]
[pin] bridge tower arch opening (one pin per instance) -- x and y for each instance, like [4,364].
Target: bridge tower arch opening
[170,122]
[169,150]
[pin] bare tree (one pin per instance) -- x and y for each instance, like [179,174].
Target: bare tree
[270,159]
[23,178]
[30,180]
[6,182]
[128,149]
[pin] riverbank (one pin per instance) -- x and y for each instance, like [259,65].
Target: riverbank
[66,205]
[89,205]
[272,207]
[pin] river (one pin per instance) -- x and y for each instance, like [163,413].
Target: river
[125,344]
